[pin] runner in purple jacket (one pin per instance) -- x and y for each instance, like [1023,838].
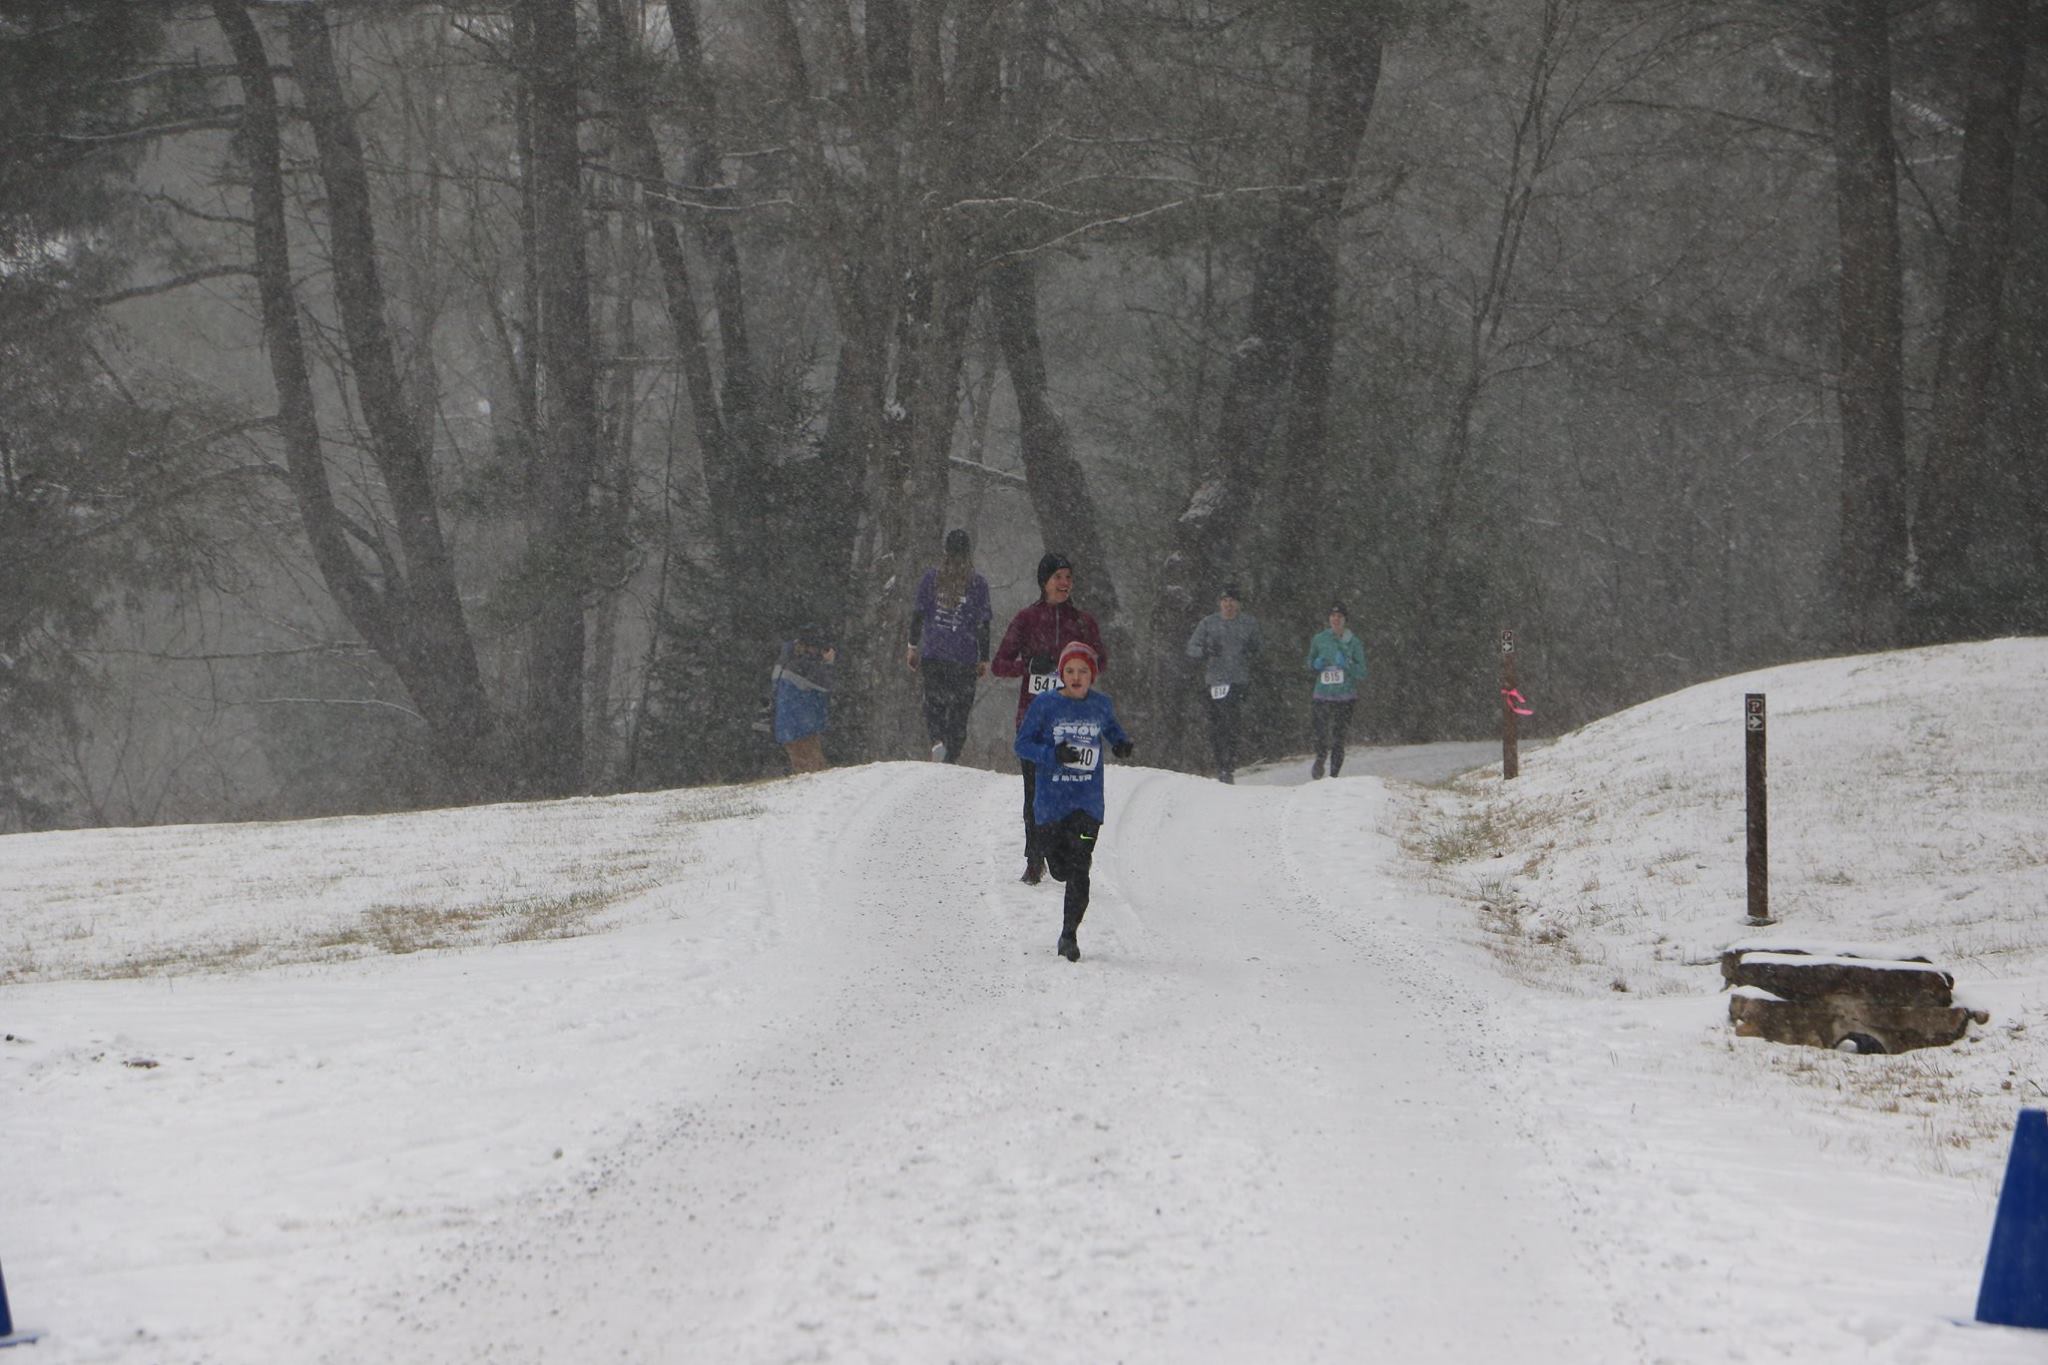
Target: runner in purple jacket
[949,645]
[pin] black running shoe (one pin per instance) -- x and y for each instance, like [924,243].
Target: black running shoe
[1317,770]
[1034,872]
[1069,949]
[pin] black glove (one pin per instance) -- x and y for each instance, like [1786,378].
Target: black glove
[1066,753]
[1125,749]
[1041,663]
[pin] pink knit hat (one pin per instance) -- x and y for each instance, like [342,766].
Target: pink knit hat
[1077,650]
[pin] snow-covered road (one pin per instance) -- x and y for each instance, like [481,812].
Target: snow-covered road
[1249,1124]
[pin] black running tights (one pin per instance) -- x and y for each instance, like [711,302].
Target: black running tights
[1333,718]
[1069,849]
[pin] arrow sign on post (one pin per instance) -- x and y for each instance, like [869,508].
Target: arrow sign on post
[1756,821]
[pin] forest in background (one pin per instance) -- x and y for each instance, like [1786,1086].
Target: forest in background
[408,404]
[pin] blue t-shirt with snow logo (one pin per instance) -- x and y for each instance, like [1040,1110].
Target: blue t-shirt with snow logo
[1088,724]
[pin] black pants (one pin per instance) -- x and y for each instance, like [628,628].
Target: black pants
[1069,848]
[1223,719]
[948,701]
[1032,852]
[1332,719]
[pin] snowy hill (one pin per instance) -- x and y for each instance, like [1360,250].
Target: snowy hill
[1349,1070]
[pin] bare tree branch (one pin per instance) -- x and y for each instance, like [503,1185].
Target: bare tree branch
[151,290]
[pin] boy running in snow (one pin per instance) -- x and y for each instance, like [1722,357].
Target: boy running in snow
[1030,652]
[1062,737]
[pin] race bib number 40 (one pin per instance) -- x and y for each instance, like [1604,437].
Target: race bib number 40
[1332,676]
[1043,682]
[1088,762]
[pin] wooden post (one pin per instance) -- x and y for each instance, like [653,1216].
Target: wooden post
[1757,822]
[1510,759]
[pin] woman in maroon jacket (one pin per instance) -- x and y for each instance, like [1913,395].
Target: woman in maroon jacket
[1030,649]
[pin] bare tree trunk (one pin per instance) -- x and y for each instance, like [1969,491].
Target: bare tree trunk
[558,567]
[404,461]
[262,143]
[1067,515]
[903,266]
[949,121]
[857,226]
[613,514]
[408,609]
[1276,364]
[1346,73]
[974,455]
[1871,569]
[1529,157]
[643,160]
[1953,477]
[721,383]
[704,175]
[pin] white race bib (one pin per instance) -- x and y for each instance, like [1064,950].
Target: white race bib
[1219,691]
[1088,762]
[1043,682]
[1332,676]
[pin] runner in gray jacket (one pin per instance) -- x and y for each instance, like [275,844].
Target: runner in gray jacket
[1225,640]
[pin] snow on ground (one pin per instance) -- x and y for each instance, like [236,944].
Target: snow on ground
[790,1072]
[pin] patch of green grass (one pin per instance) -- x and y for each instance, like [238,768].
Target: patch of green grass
[732,807]
[1489,829]
[182,961]
[393,930]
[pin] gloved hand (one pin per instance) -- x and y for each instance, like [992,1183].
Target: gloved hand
[1066,753]
[1041,663]
[1125,749]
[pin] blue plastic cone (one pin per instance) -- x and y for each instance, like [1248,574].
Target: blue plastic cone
[8,1336]
[2015,1290]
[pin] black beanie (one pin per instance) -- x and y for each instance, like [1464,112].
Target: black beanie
[1050,564]
[956,544]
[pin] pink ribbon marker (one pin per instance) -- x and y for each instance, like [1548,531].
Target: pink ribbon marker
[1517,703]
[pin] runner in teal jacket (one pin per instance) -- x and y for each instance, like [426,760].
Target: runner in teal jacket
[1337,658]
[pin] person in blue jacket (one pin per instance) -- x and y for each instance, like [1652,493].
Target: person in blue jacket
[1337,658]
[803,678]
[1063,734]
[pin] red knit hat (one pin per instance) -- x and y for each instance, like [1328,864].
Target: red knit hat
[1077,650]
